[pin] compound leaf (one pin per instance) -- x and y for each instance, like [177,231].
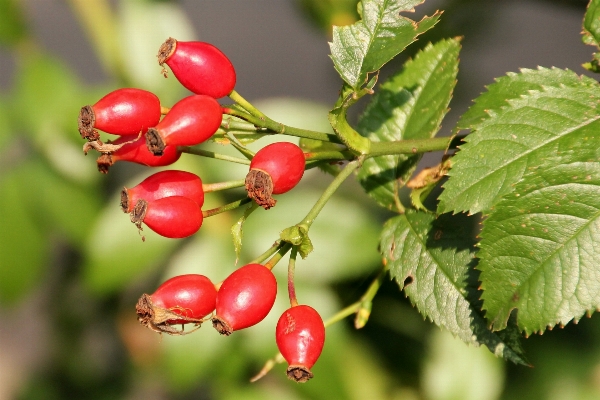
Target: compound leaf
[517,139]
[381,34]
[410,105]
[432,261]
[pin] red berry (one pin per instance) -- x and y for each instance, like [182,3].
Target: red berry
[164,184]
[300,335]
[244,298]
[172,217]
[122,112]
[200,67]
[274,169]
[191,121]
[182,299]
[136,151]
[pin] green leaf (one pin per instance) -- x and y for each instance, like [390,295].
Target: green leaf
[409,105]
[591,32]
[515,85]
[432,261]
[517,139]
[539,251]
[381,34]
[237,230]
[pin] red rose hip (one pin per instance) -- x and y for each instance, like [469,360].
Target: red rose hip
[244,298]
[164,184]
[134,150]
[182,299]
[173,217]
[126,111]
[200,67]
[274,169]
[190,121]
[300,336]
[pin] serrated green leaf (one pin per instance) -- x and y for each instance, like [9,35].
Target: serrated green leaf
[432,262]
[517,139]
[539,250]
[237,230]
[410,105]
[515,85]
[381,34]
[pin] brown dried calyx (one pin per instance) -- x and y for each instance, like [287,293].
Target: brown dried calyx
[154,142]
[299,373]
[138,213]
[157,318]
[124,200]
[259,186]
[222,326]
[165,51]
[86,122]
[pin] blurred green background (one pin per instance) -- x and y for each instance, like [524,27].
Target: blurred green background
[72,266]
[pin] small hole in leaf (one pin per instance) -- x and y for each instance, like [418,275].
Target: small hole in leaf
[408,280]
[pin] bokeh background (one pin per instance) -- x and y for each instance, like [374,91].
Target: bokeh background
[72,266]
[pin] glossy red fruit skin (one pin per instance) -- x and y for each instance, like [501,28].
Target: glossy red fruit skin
[284,162]
[190,121]
[300,336]
[199,66]
[172,217]
[164,184]
[137,152]
[245,298]
[191,296]
[126,111]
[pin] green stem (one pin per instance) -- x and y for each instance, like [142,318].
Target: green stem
[272,250]
[205,153]
[226,207]
[409,146]
[329,155]
[366,301]
[343,313]
[291,272]
[214,187]
[333,186]
[279,255]
[276,127]
[235,96]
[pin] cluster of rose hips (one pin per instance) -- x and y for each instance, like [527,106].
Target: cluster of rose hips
[170,202]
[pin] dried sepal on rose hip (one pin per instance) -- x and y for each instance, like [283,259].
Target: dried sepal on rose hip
[173,217]
[164,184]
[274,169]
[126,111]
[184,299]
[132,148]
[300,336]
[200,67]
[244,298]
[191,121]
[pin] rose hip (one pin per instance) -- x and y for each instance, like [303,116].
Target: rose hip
[244,298]
[164,184]
[172,217]
[274,169]
[200,67]
[300,336]
[182,299]
[126,111]
[190,121]
[135,150]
